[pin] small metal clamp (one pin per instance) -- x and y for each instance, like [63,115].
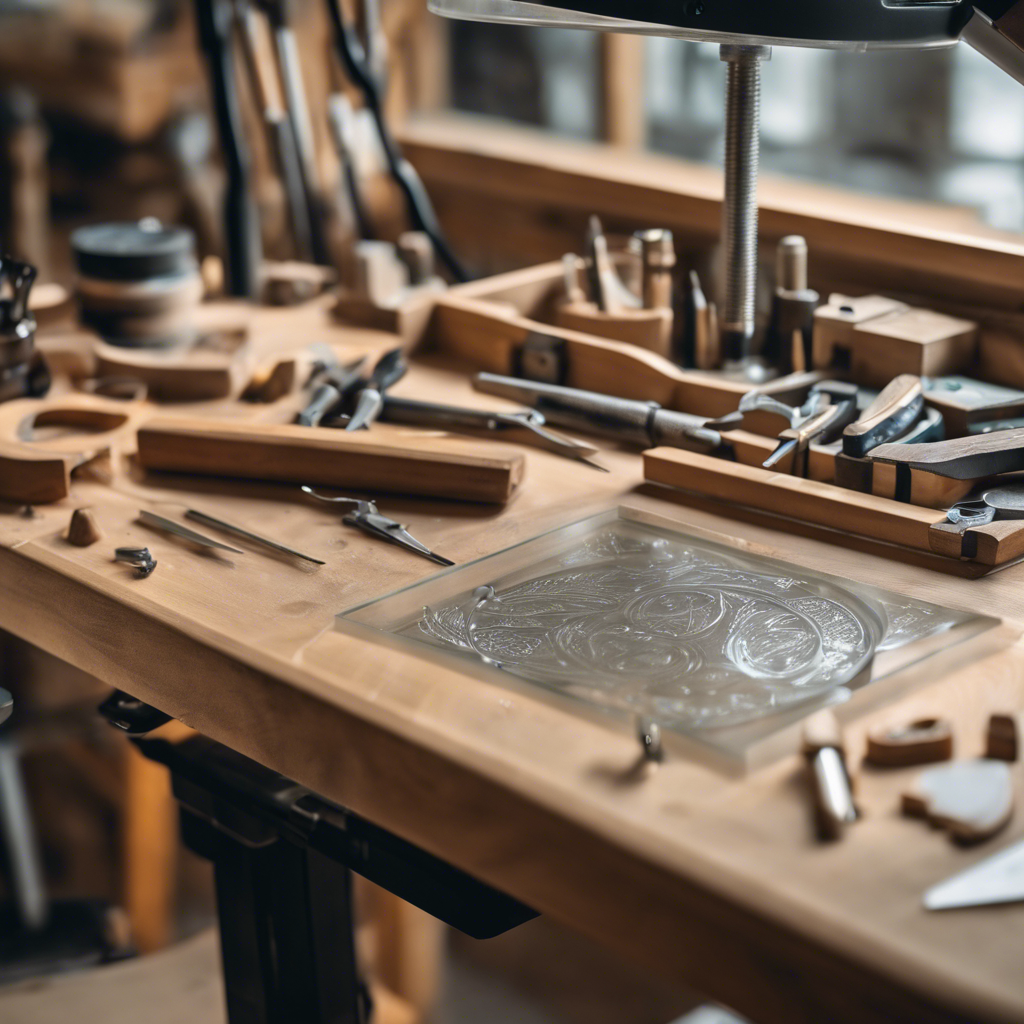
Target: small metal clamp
[139,558]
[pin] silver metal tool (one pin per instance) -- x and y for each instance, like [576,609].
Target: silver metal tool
[139,558]
[739,208]
[330,381]
[159,522]
[998,879]
[622,419]
[607,290]
[390,369]
[527,427]
[238,531]
[367,517]
[832,791]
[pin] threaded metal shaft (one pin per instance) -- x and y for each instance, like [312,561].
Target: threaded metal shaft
[739,209]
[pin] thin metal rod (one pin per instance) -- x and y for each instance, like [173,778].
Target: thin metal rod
[739,208]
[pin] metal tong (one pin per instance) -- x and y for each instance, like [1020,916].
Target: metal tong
[528,426]
[367,517]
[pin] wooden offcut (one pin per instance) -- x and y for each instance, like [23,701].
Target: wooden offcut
[428,467]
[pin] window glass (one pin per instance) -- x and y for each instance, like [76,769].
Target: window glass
[938,125]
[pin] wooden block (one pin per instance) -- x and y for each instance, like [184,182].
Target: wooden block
[408,317]
[431,467]
[834,324]
[291,282]
[794,497]
[877,339]
[82,530]
[972,800]
[917,341]
[646,328]
[918,742]
[203,372]
[1003,738]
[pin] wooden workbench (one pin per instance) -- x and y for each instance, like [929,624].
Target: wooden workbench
[711,881]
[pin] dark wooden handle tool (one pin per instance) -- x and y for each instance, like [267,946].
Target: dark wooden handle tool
[960,458]
[892,413]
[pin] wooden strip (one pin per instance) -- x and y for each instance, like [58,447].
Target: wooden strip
[811,500]
[489,334]
[431,467]
[916,247]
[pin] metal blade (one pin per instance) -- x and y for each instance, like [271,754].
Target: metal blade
[387,529]
[170,526]
[999,879]
[368,407]
[784,448]
[220,524]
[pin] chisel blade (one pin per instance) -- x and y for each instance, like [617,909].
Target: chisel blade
[999,879]
[170,526]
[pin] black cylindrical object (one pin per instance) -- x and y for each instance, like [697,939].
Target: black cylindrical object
[138,283]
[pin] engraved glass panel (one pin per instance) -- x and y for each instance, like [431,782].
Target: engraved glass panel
[624,613]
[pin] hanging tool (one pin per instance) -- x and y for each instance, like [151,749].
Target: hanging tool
[340,121]
[367,517]
[238,531]
[242,230]
[828,775]
[526,427]
[159,522]
[997,879]
[645,424]
[390,369]
[353,57]
[281,136]
[890,415]
[279,13]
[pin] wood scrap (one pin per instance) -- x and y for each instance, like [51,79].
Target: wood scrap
[919,742]
[972,800]
[430,467]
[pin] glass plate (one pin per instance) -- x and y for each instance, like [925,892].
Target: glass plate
[627,615]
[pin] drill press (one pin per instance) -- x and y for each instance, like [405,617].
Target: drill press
[746,31]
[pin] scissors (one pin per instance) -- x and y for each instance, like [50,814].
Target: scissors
[367,517]
[529,425]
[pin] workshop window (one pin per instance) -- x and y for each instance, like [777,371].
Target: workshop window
[946,125]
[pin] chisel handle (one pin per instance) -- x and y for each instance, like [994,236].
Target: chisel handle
[891,414]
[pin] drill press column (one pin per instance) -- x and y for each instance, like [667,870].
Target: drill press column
[739,209]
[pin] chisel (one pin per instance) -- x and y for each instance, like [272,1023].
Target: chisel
[960,458]
[645,424]
[891,414]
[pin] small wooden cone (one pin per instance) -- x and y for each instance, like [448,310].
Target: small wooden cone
[83,530]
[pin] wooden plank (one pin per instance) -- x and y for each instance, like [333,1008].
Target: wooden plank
[427,466]
[800,498]
[928,250]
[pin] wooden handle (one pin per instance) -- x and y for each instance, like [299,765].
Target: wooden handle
[960,458]
[434,467]
[892,412]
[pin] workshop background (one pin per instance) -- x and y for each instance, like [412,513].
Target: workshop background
[104,116]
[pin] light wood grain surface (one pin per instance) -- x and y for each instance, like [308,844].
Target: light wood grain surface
[708,880]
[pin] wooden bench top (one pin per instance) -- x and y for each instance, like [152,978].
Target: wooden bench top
[713,881]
